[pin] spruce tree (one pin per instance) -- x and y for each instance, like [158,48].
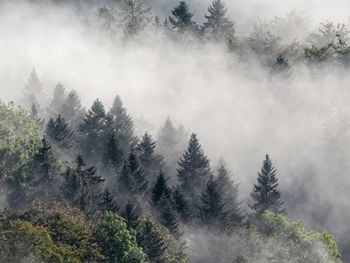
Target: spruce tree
[59,132]
[160,189]
[72,110]
[265,195]
[35,113]
[167,214]
[150,160]
[57,100]
[182,18]
[113,152]
[181,204]
[33,91]
[193,171]
[92,131]
[130,215]
[108,203]
[230,191]
[212,209]
[217,24]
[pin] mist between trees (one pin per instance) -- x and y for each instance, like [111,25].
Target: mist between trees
[139,186]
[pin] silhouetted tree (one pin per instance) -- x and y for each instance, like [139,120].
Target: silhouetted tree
[58,98]
[160,189]
[72,111]
[130,215]
[181,204]
[108,202]
[265,195]
[59,132]
[33,91]
[182,20]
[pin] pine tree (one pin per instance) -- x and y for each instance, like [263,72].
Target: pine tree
[212,209]
[92,131]
[217,24]
[59,132]
[138,182]
[34,112]
[182,20]
[72,111]
[160,189]
[130,215]
[114,153]
[281,66]
[230,191]
[33,91]
[168,216]
[44,173]
[265,195]
[150,160]
[57,101]
[193,171]
[181,204]
[108,202]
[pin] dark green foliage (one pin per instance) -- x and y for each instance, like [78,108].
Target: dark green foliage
[168,216]
[130,215]
[79,184]
[160,189]
[193,171]
[181,204]
[265,195]
[59,132]
[114,154]
[212,209]
[116,242]
[150,160]
[108,202]
[217,24]
[92,131]
[132,177]
[182,20]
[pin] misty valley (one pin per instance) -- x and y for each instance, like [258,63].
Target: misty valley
[143,131]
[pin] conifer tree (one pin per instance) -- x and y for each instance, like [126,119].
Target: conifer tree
[108,203]
[168,216]
[114,153]
[35,113]
[160,189]
[130,215]
[59,132]
[217,24]
[57,100]
[193,171]
[33,91]
[72,110]
[92,131]
[151,161]
[230,191]
[212,208]
[182,18]
[181,204]
[265,195]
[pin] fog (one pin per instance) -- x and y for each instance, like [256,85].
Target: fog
[238,111]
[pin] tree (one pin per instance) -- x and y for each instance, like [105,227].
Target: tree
[43,181]
[79,183]
[182,20]
[193,171]
[212,209]
[108,203]
[168,216]
[181,204]
[117,243]
[35,113]
[130,215]
[265,195]
[132,177]
[151,161]
[114,154]
[217,24]
[72,111]
[232,206]
[92,131]
[281,66]
[160,189]
[134,16]
[33,91]
[59,132]
[57,100]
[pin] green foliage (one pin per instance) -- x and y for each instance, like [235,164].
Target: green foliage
[59,132]
[116,242]
[158,244]
[182,20]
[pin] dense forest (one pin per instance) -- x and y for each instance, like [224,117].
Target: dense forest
[91,183]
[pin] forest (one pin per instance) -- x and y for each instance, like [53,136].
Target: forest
[85,179]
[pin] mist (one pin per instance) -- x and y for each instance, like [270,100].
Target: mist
[237,109]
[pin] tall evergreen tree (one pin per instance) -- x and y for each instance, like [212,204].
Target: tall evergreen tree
[59,132]
[265,195]
[33,91]
[138,183]
[181,204]
[230,191]
[193,171]
[167,215]
[212,208]
[57,100]
[160,189]
[217,24]
[182,18]
[108,202]
[35,113]
[72,110]
[150,160]
[113,153]
[92,131]
[130,215]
